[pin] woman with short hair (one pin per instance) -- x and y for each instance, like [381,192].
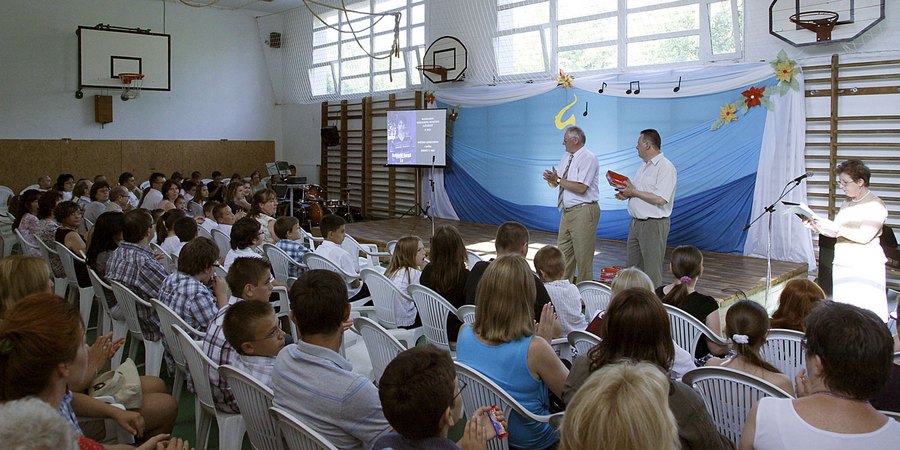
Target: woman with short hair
[65,184]
[68,216]
[27,222]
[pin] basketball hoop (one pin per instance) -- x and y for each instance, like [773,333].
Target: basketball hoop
[435,69]
[819,22]
[131,85]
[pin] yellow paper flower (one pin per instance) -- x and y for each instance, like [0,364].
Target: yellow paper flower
[728,113]
[784,71]
[565,80]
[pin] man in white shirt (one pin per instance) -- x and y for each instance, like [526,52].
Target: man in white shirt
[119,200]
[154,194]
[224,217]
[577,200]
[332,228]
[126,179]
[650,197]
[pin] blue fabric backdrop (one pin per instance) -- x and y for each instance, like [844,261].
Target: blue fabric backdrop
[497,154]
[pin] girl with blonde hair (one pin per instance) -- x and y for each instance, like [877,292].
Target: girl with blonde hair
[621,406]
[21,276]
[405,269]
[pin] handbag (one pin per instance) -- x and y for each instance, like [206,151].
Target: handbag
[122,384]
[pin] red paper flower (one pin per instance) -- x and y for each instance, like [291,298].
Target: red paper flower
[753,96]
[429,97]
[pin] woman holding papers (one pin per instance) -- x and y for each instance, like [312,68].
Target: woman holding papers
[859,276]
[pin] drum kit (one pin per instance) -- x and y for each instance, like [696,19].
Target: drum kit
[314,204]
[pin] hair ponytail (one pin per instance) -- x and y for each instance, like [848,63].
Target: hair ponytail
[687,266]
[748,324]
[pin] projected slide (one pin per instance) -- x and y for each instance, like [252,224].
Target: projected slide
[415,138]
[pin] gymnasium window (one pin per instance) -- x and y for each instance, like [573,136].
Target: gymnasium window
[536,37]
[340,66]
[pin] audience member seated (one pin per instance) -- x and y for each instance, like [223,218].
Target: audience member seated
[637,328]
[687,266]
[313,381]
[45,183]
[216,187]
[46,228]
[105,238]
[848,361]
[797,299]
[119,200]
[251,329]
[194,292]
[68,216]
[99,199]
[189,189]
[65,184]
[27,222]
[548,262]
[152,197]
[237,197]
[448,272]
[224,218]
[404,269]
[126,180]
[197,203]
[181,204]
[262,211]
[44,352]
[245,237]
[170,191]
[248,280]
[287,229]
[134,265]
[512,239]
[256,183]
[209,222]
[165,230]
[332,228]
[620,407]
[889,397]
[185,230]
[420,396]
[81,193]
[747,325]
[46,428]
[503,345]
[21,276]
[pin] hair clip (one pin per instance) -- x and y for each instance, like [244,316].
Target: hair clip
[740,339]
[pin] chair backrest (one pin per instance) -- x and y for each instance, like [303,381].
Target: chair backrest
[391,245]
[595,297]
[23,243]
[203,232]
[297,434]
[897,358]
[167,258]
[582,341]
[729,395]
[46,252]
[433,310]
[32,186]
[784,350]
[281,262]
[466,314]
[384,295]
[167,318]
[892,414]
[481,391]
[67,258]
[101,290]
[472,258]
[129,301]
[254,400]
[318,262]
[556,420]
[309,239]
[88,223]
[687,330]
[5,194]
[382,347]
[223,241]
[198,364]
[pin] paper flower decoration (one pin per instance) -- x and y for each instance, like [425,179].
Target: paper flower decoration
[728,113]
[429,97]
[753,96]
[786,71]
[565,80]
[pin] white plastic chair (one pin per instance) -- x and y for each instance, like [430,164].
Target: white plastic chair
[298,435]
[311,241]
[7,237]
[231,426]
[203,232]
[254,399]
[168,318]
[391,245]
[24,244]
[433,310]
[892,414]
[88,224]
[223,241]
[59,284]
[282,263]
[556,420]
[729,395]
[897,358]
[318,262]
[385,297]
[83,296]
[582,341]
[119,327]
[33,186]
[472,258]
[466,314]
[113,429]
[784,350]
[595,297]
[153,350]
[167,260]
[371,258]
[687,330]
[481,391]
[5,194]
[381,346]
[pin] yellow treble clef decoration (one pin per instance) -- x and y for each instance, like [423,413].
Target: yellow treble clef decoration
[571,119]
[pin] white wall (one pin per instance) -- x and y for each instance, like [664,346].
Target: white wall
[301,141]
[220,87]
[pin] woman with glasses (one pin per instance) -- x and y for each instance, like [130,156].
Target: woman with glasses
[858,274]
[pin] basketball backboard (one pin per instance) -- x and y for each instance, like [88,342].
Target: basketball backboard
[854,17]
[104,52]
[444,54]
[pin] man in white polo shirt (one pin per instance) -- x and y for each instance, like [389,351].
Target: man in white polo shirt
[650,197]
[577,200]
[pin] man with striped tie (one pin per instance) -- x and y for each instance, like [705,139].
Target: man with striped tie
[577,201]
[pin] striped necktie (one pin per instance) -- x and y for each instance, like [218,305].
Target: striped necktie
[559,199]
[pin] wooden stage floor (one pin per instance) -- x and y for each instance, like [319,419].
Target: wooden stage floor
[723,273]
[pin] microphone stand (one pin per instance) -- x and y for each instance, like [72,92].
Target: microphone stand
[770,210]
[431,198]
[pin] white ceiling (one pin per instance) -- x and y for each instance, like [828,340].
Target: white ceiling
[256,7]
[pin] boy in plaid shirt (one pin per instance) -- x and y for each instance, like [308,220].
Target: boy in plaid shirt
[287,229]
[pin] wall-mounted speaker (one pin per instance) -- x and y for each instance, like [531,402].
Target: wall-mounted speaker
[330,136]
[274,40]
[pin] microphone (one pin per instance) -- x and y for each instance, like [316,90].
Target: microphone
[802,177]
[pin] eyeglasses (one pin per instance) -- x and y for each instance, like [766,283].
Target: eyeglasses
[462,385]
[271,335]
[842,182]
